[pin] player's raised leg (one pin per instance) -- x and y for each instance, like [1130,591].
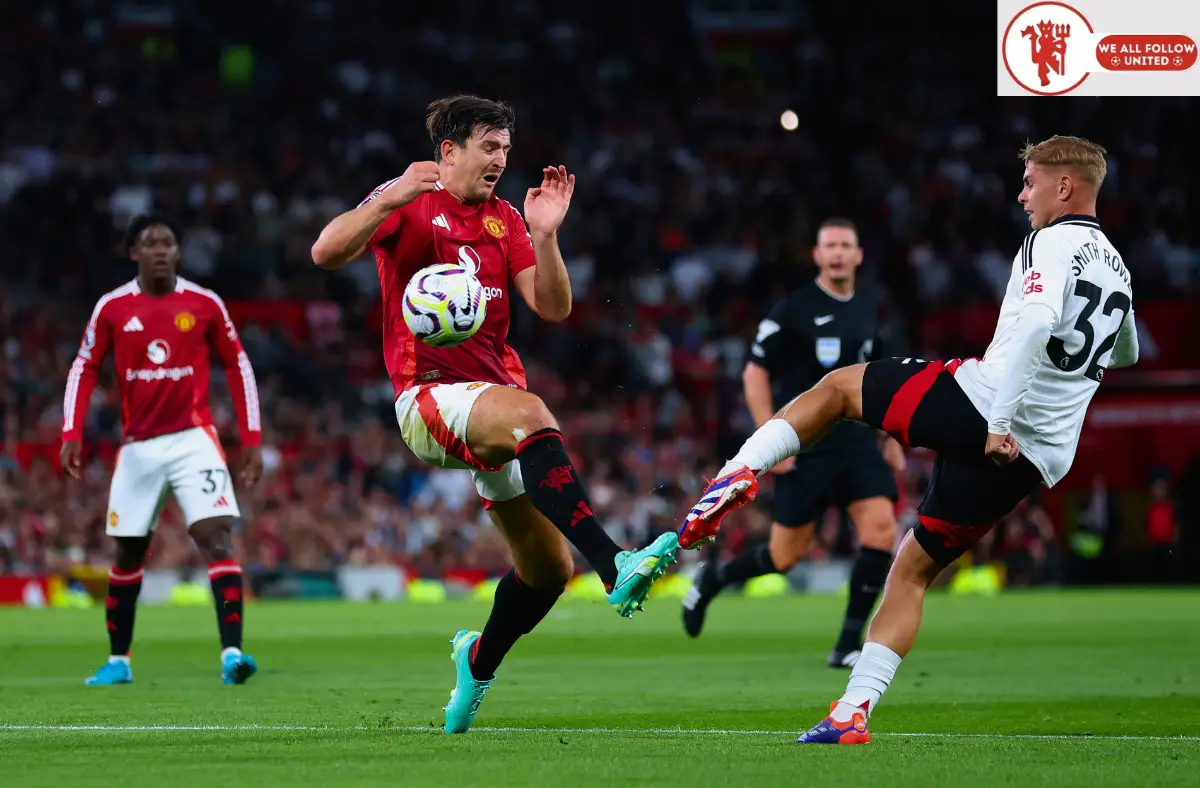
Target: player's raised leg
[508,423]
[523,598]
[799,424]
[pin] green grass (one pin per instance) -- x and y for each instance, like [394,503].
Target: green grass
[603,701]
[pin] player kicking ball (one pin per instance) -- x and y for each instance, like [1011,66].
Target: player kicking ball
[466,406]
[1001,425]
[825,325]
[160,329]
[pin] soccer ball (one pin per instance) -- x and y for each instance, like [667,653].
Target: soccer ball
[444,305]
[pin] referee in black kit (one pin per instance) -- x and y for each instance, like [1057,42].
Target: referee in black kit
[813,331]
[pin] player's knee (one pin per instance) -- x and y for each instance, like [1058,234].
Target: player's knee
[913,566]
[530,415]
[559,572]
[788,546]
[834,381]
[502,419]
[878,533]
[214,539]
[131,552]
[550,570]
[845,386]
[784,560]
[786,554]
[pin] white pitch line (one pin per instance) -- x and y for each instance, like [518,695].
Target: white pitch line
[1053,736]
[167,728]
[631,731]
[743,732]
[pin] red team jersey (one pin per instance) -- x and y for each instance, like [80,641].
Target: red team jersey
[490,239]
[161,349]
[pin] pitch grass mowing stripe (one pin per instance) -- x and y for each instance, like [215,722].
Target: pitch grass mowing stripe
[629,731]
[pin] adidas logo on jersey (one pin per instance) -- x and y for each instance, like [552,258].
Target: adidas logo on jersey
[440,221]
[133,325]
[221,503]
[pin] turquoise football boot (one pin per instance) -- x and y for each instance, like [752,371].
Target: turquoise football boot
[114,671]
[637,571]
[468,691]
[236,668]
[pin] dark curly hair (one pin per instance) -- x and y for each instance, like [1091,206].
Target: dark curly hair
[140,223]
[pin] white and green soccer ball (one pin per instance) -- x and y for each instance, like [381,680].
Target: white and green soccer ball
[444,305]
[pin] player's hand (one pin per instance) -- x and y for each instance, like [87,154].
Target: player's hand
[1002,448]
[71,457]
[786,466]
[420,177]
[252,466]
[893,455]
[546,206]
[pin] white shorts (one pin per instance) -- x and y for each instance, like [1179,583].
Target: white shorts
[189,464]
[433,421]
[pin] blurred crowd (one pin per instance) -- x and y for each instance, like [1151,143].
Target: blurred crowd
[695,210]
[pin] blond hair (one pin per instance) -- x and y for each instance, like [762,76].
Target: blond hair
[1086,158]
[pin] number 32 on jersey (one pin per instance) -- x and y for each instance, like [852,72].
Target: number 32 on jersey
[1116,303]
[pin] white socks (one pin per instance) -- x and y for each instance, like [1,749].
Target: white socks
[868,680]
[770,445]
[226,651]
[124,659]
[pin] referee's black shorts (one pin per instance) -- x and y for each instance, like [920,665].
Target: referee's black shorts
[920,404]
[842,468]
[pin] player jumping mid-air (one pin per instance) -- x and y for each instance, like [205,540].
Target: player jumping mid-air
[1001,425]
[466,406]
[824,325]
[160,328]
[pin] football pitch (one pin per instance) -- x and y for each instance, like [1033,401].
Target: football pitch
[1049,688]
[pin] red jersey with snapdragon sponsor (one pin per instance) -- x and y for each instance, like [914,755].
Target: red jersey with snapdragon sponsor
[492,241]
[160,345]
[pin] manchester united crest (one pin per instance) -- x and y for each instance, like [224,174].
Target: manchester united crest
[494,226]
[185,321]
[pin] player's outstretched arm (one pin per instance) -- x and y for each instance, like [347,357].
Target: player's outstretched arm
[345,238]
[547,287]
[1125,352]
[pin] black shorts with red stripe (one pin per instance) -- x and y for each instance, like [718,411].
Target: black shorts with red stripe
[921,405]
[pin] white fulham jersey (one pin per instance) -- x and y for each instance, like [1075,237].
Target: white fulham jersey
[1070,267]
